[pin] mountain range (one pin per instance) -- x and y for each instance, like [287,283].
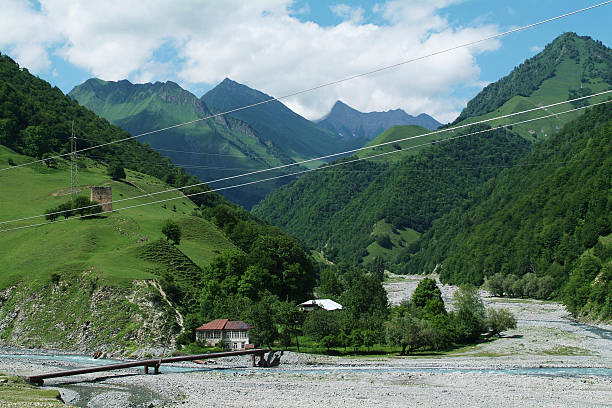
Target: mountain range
[535,224]
[350,123]
[358,211]
[209,149]
[264,136]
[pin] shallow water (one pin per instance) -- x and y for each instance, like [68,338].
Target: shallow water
[596,331]
[55,360]
[93,391]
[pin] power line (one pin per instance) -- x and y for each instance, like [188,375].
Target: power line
[349,78]
[383,144]
[280,176]
[342,153]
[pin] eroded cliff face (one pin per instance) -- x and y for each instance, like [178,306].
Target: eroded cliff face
[85,316]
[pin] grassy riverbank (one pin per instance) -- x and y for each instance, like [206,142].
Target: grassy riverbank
[16,393]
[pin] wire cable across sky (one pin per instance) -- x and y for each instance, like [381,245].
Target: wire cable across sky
[251,173]
[328,166]
[327,84]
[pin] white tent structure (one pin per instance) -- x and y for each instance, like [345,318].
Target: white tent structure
[325,304]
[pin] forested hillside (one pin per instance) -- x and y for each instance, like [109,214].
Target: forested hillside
[337,209]
[36,120]
[594,59]
[539,229]
[569,67]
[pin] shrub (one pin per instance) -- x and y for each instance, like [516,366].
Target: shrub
[499,320]
[172,231]
[116,171]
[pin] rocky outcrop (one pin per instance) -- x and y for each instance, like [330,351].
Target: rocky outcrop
[86,315]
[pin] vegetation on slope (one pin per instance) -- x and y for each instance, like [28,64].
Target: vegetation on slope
[263,137]
[336,210]
[575,66]
[16,393]
[544,217]
[593,58]
[36,120]
[298,137]
[110,281]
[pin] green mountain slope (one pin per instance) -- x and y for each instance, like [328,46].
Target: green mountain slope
[110,281]
[265,136]
[341,209]
[65,265]
[210,150]
[298,137]
[399,199]
[545,217]
[394,133]
[569,67]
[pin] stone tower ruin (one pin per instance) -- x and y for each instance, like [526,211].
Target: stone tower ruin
[103,195]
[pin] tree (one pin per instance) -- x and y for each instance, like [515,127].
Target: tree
[321,323]
[172,232]
[405,329]
[428,298]
[330,286]
[115,171]
[288,318]
[499,320]
[470,314]
[262,316]
[377,268]
[369,338]
[290,268]
[495,284]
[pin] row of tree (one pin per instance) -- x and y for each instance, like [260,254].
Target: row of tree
[80,206]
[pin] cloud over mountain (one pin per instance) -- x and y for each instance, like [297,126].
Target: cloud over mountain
[263,43]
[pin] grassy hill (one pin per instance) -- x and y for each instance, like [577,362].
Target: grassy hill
[111,281]
[569,67]
[104,252]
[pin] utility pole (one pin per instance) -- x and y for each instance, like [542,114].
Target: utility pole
[74,166]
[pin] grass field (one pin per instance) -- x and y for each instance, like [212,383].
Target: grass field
[400,149]
[106,244]
[15,393]
[399,238]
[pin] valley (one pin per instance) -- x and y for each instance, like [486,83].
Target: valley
[308,206]
[548,360]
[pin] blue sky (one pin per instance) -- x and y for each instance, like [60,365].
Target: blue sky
[282,46]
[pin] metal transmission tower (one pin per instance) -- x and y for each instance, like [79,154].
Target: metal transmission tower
[74,166]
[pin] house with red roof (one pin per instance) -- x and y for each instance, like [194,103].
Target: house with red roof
[234,334]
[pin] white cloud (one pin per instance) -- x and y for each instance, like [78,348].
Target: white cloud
[346,12]
[261,44]
[536,49]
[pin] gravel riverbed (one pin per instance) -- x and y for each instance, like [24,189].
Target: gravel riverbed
[552,362]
